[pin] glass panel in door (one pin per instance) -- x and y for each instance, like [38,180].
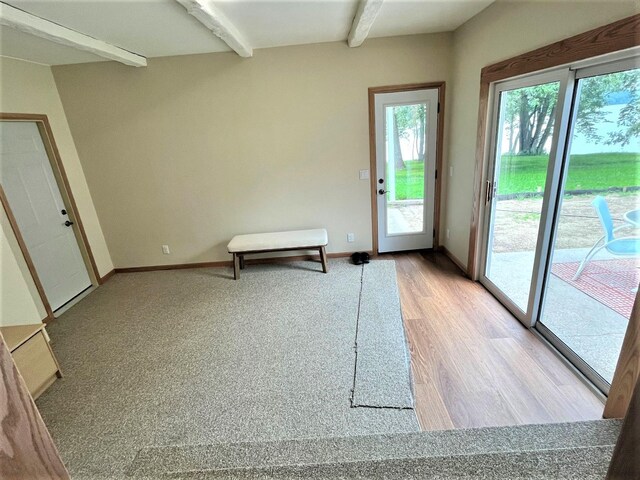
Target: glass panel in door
[595,265]
[405,167]
[523,142]
[406,126]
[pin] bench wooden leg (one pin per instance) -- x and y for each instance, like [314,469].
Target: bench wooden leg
[241,262]
[236,266]
[323,259]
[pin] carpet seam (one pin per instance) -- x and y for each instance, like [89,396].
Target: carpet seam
[355,365]
[355,341]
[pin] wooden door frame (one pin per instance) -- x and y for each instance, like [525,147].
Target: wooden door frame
[53,154]
[373,91]
[611,38]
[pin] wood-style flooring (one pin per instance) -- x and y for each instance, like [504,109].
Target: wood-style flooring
[473,363]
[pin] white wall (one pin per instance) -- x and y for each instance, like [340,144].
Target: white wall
[504,30]
[30,88]
[195,149]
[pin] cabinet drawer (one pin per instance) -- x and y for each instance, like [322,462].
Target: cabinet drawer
[35,363]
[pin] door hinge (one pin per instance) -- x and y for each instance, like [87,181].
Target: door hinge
[434,233]
[436,174]
[438,107]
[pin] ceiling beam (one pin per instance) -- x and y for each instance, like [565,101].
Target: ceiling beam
[214,20]
[363,21]
[25,22]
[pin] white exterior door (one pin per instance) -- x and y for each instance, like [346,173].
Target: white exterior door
[406,133]
[34,198]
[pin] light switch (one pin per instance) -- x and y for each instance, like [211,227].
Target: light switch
[364,174]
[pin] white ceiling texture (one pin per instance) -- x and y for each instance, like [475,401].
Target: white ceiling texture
[157,28]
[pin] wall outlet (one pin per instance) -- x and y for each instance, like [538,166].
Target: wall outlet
[364,174]
[165,249]
[448,233]
[351,237]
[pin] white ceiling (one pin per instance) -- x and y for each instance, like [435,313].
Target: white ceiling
[402,17]
[157,28]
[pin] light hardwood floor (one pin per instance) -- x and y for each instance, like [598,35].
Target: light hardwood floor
[474,364]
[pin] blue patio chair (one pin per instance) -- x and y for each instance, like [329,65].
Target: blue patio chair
[622,246]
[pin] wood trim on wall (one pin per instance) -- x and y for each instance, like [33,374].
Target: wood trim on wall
[106,277]
[440,86]
[610,38]
[439,172]
[453,258]
[25,253]
[53,154]
[481,146]
[627,373]
[229,263]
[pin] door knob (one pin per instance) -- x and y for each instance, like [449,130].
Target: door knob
[68,223]
[382,191]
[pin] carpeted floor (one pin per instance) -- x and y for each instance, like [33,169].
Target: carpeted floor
[189,357]
[382,374]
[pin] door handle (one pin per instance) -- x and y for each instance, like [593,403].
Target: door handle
[382,191]
[68,223]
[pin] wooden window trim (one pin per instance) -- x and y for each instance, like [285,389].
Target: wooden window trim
[611,38]
[607,39]
[373,91]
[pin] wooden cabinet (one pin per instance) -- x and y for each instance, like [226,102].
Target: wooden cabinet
[32,354]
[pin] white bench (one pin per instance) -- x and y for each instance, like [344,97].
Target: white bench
[242,245]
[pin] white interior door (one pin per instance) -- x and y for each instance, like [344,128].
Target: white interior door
[34,197]
[406,133]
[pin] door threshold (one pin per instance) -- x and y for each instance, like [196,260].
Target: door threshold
[73,301]
[413,250]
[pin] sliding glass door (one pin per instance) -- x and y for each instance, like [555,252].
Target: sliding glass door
[562,208]
[594,264]
[516,194]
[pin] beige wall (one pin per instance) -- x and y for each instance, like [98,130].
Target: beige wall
[30,88]
[19,300]
[503,30]
[195,149]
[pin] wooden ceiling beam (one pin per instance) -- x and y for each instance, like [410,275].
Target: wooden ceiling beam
[363,21]
[206,13]
[25,22]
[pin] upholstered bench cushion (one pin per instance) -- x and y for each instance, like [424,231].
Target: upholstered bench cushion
[278,240]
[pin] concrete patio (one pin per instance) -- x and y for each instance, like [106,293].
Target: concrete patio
[591,329]
[405,216]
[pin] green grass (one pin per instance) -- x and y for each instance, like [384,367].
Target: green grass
[586,172]
[526,174]
[410,181]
